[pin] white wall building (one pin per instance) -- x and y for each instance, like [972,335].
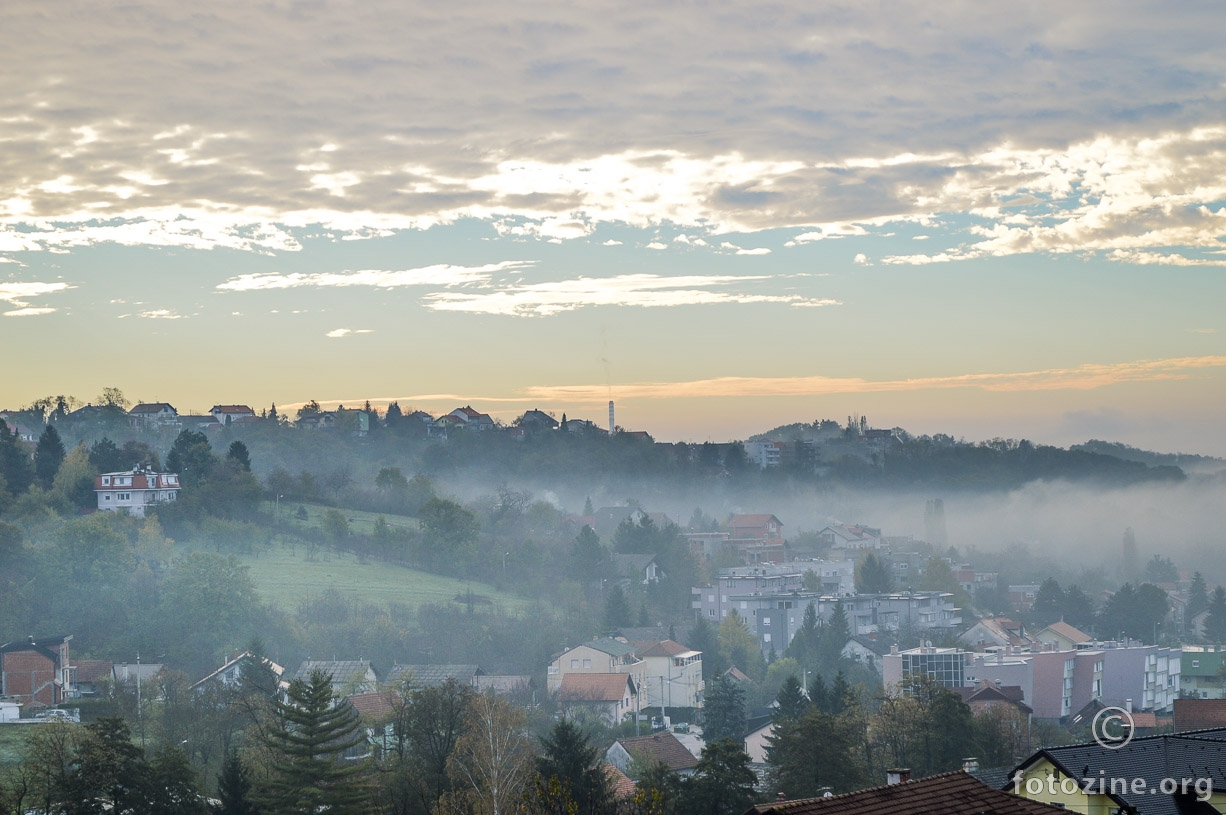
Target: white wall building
[133,490]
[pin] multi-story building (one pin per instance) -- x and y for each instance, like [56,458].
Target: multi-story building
[1203,672]
[601,656]
[946,665]
[1057,683]
[131,491]
[36,672]
[775,618]
[672,674]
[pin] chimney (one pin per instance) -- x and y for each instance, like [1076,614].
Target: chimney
[780,797]
[897,775]
[1128,705]
[970,765]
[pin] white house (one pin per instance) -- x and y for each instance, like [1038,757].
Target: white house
[132,491]
[672,676]
[153,414]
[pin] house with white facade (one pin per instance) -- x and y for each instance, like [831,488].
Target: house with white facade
[672,676]
[133,490]
[149,415]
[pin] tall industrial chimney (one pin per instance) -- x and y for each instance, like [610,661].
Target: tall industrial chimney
[610,417]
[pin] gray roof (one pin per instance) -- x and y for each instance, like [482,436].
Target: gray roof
[428,676]
[343,671]
[612,647]
[1197,755]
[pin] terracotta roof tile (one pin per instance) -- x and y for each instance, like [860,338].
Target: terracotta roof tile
[593,687]
[662,747]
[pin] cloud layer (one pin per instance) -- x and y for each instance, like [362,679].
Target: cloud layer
[1058,127]
[1084,377]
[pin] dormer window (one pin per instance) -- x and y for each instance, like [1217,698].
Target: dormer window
[106,481]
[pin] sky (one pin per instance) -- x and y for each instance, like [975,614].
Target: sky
[969,218]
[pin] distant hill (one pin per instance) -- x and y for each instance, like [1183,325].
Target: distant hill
[898,458]
[1187,462]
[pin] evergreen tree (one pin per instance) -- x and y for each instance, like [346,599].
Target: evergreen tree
[16,470]
[308,776]
[589,555]
[805,643]
[723,783]
[616,609]
[1215,623]
[239,454]
[1078,607]
[703,638]
[791,699]
[723,712]
[841,695]
[577,767]
[834,637]
[805,756]
[1198,595]
[48,456]
[234,792]
[588,511]
[104,456]
[873,576]
[1049,602]
[819,694]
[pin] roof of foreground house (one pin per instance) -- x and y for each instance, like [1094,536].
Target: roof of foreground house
[955,793]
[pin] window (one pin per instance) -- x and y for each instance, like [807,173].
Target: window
[107,497]
[1196,663]
[574,663]
[766,637]
[106,481]
[766,621]
[587,663]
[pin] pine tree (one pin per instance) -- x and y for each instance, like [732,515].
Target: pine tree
[723,712]
[1198,595]
[577,767]
[15,467]
[873,576]
[1215,623]
[48,456]
[791,699]
[308,776]
[239,454]
[234,788]
[616,609]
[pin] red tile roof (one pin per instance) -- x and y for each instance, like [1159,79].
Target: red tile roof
[1068,632]
[374,707]
[955,793]
[663,648]
[623,787]
[1199,714]
[91,670]
[593,687]
[662,747]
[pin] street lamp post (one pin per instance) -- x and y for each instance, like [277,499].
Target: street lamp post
[504,565]
[276,514]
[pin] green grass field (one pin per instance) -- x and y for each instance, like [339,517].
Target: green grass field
[285,576]
[360,521]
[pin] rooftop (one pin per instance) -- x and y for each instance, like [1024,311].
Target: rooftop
[955,793]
